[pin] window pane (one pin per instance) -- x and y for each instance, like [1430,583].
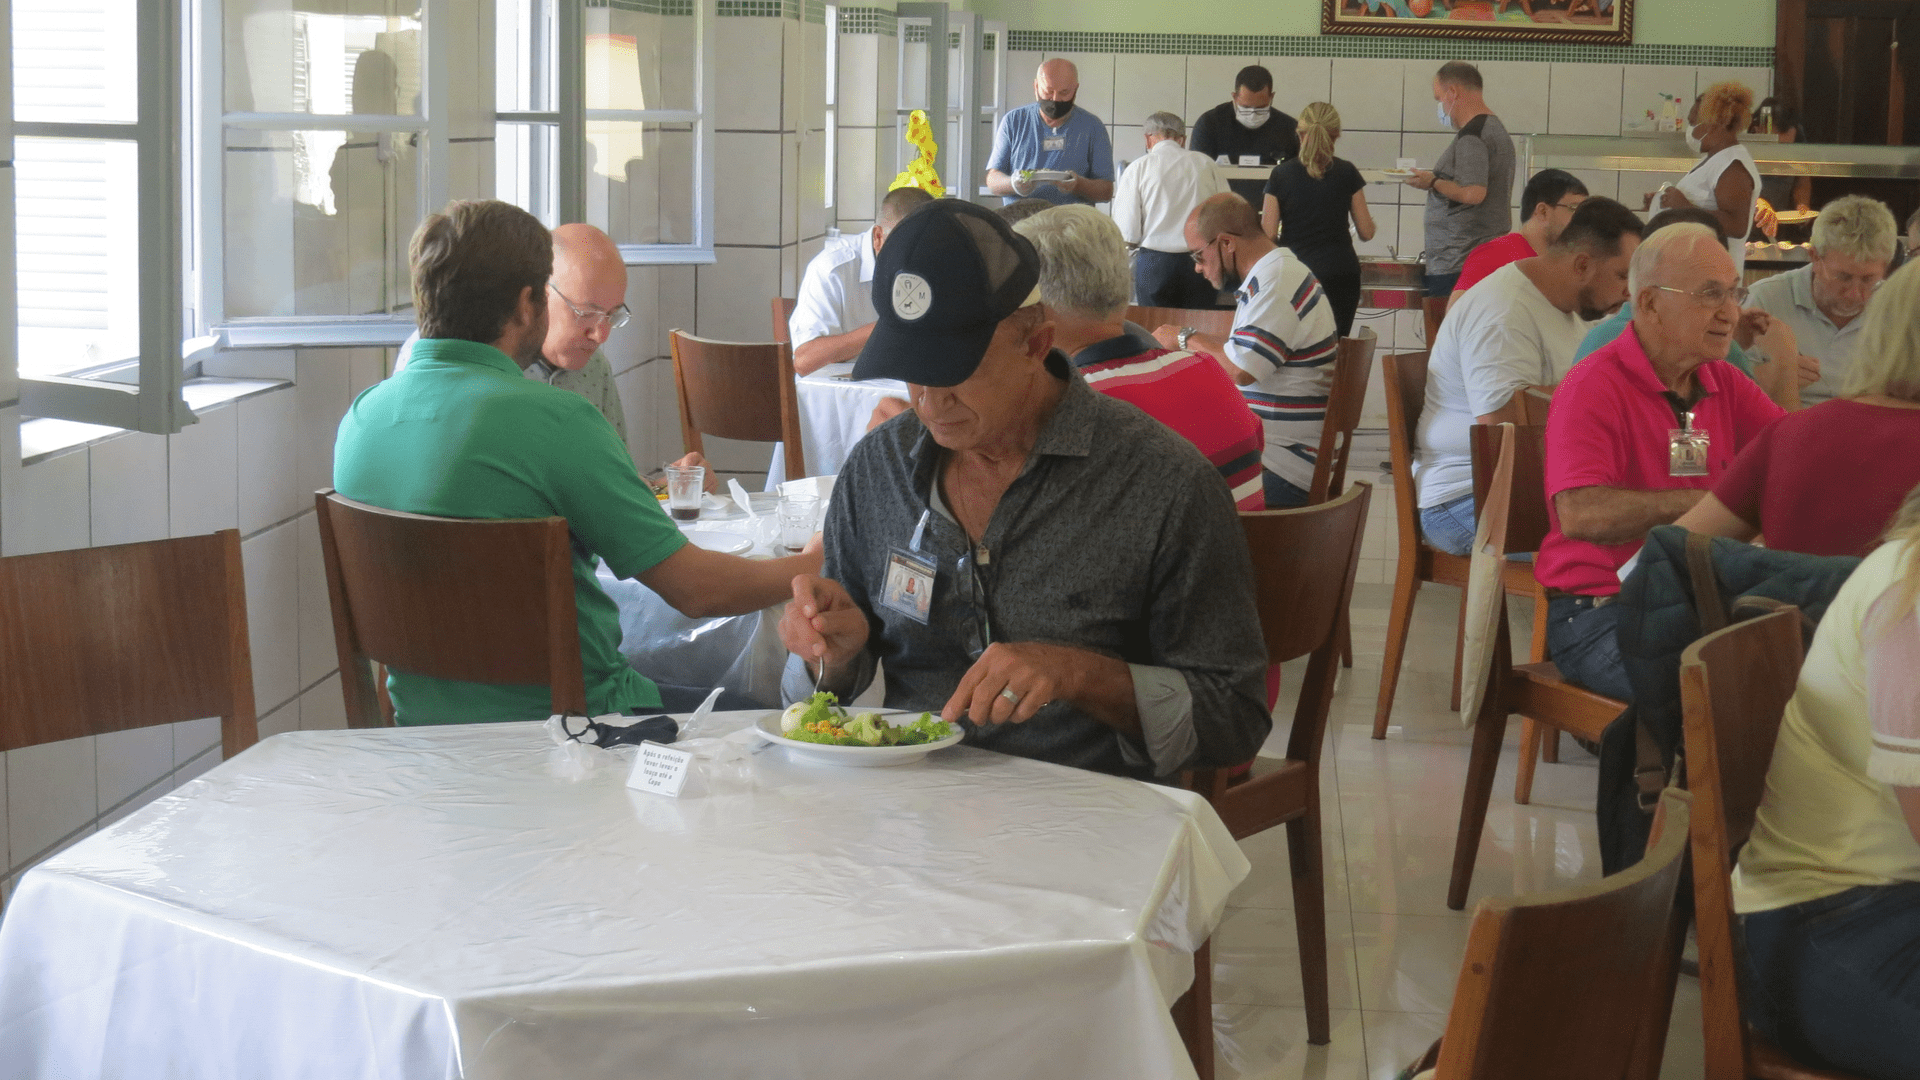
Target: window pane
[640,181]
[73,61]
[77,222]
[642,54]
[523,56]
[282,58]
[525,160]
[318,222]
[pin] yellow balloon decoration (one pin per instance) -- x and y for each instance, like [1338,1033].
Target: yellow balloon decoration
[920,172]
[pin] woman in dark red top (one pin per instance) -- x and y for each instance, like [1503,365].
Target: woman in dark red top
[1827,480]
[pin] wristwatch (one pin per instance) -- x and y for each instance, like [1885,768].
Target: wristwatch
[1185,333]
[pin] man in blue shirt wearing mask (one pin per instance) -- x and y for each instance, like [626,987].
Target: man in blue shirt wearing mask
[1052,135]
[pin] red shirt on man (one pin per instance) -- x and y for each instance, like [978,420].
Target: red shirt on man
[1609,426]
[1826,481]
[1190,393]
[1491,256]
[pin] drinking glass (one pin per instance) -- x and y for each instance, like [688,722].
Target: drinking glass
[798,521]
[686,484]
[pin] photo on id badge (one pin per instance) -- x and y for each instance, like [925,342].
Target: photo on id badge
[1686,451]
[909,587]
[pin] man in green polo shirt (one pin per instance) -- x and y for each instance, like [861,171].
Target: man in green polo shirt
[462,433]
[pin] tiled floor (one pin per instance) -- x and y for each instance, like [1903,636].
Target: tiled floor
[1390,810]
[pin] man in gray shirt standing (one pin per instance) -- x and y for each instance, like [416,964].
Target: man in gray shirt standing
[1049,563]
[1469,188]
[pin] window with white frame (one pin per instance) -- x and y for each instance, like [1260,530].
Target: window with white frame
[604,117]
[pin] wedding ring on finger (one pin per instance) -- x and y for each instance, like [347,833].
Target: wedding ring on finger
[1007,692]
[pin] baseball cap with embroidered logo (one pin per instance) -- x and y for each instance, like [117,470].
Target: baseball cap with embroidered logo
[946,277]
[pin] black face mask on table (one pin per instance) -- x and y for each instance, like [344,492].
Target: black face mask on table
[1055,110]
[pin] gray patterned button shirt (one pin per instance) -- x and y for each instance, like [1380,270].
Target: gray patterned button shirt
[1119,538]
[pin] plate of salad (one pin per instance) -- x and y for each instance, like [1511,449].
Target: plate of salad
[818,729]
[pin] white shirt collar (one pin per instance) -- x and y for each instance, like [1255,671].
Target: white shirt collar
[866,255]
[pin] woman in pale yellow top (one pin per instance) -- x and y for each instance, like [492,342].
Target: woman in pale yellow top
[1829,886]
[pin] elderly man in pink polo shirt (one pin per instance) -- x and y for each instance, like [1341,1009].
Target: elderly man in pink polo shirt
[1637,434]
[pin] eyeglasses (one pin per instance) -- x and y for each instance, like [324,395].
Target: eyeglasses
[1196,256]
[1711,296]
[1568,207]
[971,596]
[614,319]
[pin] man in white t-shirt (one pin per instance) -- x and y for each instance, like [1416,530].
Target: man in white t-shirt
[1517,328]
[1282,347]
[834,312]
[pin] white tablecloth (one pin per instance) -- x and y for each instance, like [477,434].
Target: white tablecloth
[447,902]
[833,416]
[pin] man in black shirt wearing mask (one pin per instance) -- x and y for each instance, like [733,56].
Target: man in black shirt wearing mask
[1246,126]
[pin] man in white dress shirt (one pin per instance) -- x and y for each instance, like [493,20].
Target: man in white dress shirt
[1151,205]
[834,312]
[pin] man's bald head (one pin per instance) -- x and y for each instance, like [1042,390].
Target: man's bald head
[1225,213]
[589,275]
[1058,72]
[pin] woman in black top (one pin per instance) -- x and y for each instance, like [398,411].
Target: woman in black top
[1308,200]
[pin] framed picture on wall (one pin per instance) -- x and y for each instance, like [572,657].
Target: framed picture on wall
[1591,22]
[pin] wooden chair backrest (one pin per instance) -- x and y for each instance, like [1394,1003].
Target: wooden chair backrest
[1352,368]
[1569,984]
[1218,322]
[1434,309]
[1304,565]
[1528,405]
[1406,376]
[783,318]
[737,390]
[1526,499]
[1734,689]
[96,640]
[483,601]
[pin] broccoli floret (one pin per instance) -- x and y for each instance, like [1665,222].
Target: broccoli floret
[868,728]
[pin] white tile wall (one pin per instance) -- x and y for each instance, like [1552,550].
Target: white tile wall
[268,490]
[56,492]
[1144,84]
[51,792]
[320,380]
[1210,81]
[317,652]
[1517,92]
[203,474]
[323,708]
[1367,93]
[127,484]
[744,163]
[272,561]
[128,761]
[1585,99]
[749,45]
[1416,96]
[1298,81]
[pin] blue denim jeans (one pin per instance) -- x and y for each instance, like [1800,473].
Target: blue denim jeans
[1836,981]
[1280,492]
[1449,526]
[1583,644]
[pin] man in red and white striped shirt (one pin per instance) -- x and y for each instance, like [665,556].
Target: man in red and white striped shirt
[1084,283]
[1281,350]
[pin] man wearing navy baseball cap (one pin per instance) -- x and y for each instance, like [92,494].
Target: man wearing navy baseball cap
[1048,564]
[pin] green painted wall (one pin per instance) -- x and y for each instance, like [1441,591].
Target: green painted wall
[1656,22]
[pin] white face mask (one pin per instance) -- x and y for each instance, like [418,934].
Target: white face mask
[1440,107]
[1693,142]
[1252,118]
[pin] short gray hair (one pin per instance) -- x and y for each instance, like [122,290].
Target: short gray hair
[1167,125]
[1643,271]
[1083,261]
[1887,358]
[1856,227]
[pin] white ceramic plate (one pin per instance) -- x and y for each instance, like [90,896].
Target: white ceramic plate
[1795,217]
[724,541]
[1397,174]
[768,728]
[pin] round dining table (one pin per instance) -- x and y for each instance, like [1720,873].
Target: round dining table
[834,410]
[479,901]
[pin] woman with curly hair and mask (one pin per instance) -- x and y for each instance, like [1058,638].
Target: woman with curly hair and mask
[1726,179]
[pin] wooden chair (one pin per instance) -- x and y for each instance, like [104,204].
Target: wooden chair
[1304,564]
[1516,511]
[782,318]
[1352,367]
[96,640]
[1434,310]
[1218,322]
[1420,562]
[1575,984]
[483,601]
[737,391]
[1734,688]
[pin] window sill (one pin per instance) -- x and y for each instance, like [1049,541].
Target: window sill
[43,438]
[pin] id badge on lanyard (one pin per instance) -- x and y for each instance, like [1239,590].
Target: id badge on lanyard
[910,575]
[1687,449]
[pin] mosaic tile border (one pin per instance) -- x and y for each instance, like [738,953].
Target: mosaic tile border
[1400,48]
[647,7]
[917,34]
[869,20]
